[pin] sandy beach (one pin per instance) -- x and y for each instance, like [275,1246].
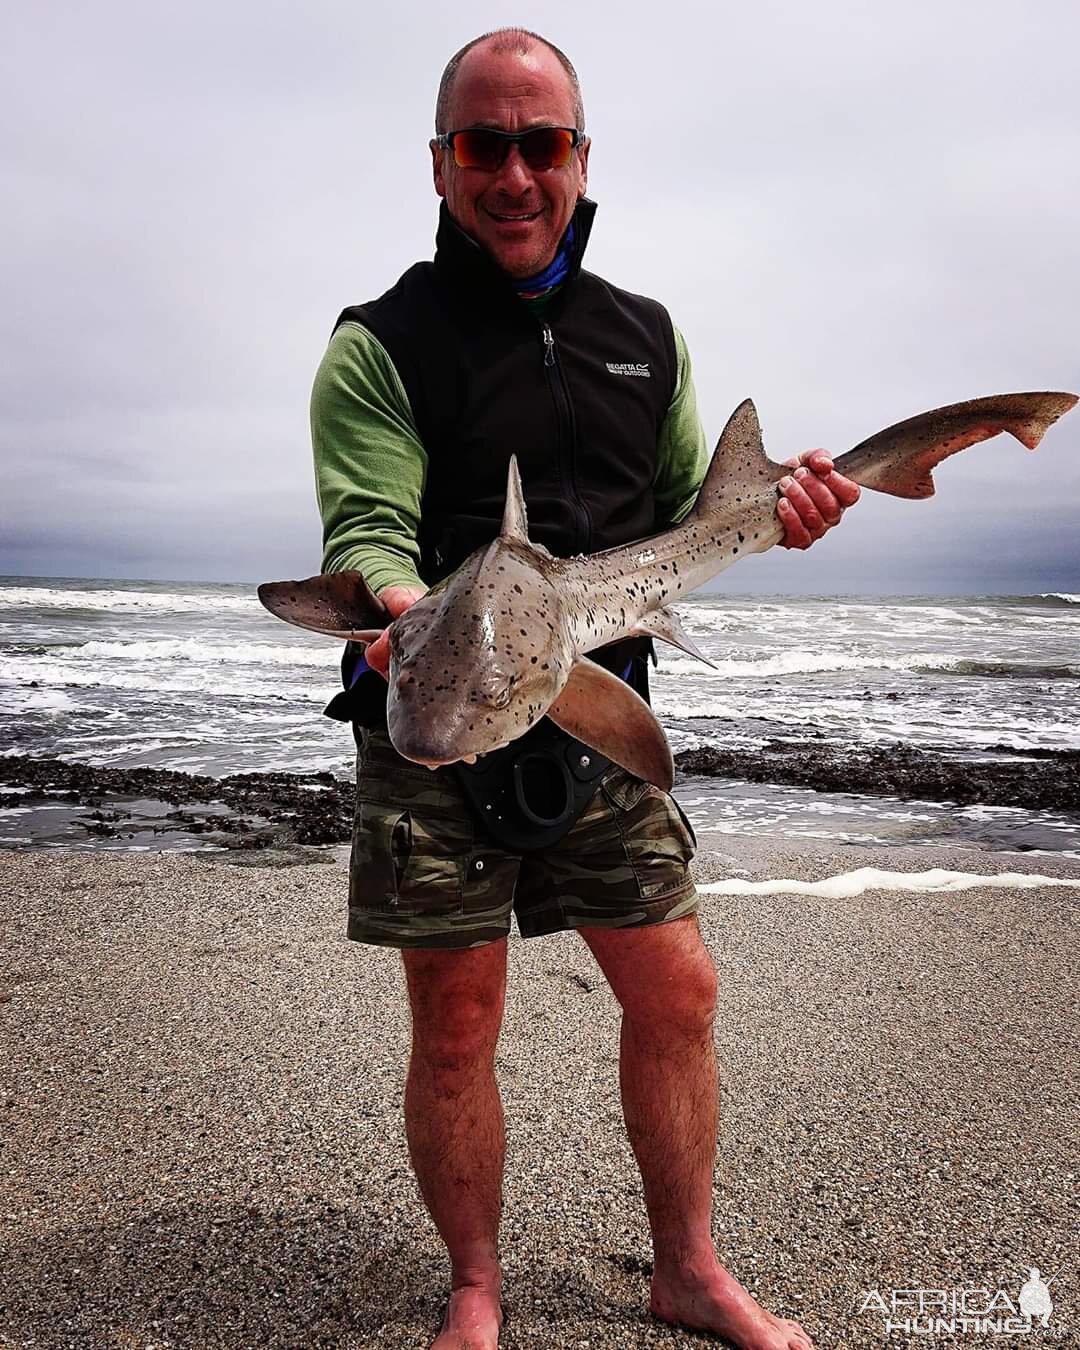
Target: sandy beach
[201,1081]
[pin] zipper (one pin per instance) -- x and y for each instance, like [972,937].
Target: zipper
[564,410]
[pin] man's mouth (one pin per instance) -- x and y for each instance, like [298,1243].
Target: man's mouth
[513,217]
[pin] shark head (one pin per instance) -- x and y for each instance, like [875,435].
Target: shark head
[480,658]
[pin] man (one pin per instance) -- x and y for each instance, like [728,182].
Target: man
[504,344]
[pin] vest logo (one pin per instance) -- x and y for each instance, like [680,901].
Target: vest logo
[630,368]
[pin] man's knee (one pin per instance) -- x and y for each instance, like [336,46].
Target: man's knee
[686,1005]
[662,974]
[457,1000]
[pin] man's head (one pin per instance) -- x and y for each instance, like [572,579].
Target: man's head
[511,80]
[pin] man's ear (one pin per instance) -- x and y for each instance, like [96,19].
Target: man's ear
[436,169]
[583,151]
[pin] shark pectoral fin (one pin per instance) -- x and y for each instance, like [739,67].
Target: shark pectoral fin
[339,604]
[604,712]
[664,624]
[900,460]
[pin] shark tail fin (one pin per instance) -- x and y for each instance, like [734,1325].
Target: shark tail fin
[900,460]
[739,468]
[515,521]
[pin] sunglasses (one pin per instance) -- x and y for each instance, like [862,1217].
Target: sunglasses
[483,148]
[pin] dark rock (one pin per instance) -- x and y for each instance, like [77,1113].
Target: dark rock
[314,808]
[1052,783]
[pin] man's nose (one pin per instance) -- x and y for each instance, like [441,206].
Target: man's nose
[514,176]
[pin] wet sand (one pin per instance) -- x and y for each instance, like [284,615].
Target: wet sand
[200,1103]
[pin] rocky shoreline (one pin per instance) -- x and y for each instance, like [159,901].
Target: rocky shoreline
[253,811]
[261,811]
[1038,780]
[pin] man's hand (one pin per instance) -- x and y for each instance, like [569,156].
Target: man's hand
[397,600]
[814,499]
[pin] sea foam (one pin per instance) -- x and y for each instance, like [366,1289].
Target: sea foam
[850,884]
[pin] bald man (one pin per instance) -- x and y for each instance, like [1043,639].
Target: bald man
[505,344]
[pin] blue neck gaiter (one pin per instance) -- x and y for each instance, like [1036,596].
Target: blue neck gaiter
[554,274]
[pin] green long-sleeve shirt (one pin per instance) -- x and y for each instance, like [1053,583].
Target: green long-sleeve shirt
[370,464]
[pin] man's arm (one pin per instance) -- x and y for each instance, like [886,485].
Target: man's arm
[814,496]
[682,454]
[370,465]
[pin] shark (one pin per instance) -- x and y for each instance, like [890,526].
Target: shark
[503,641]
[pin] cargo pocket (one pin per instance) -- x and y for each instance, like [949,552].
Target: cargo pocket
[405,863]
[657,838]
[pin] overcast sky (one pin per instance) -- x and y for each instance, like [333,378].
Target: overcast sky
[854,212]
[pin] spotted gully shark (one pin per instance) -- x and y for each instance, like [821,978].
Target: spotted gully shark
[502,641]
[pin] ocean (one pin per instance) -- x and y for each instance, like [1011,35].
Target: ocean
[199,678]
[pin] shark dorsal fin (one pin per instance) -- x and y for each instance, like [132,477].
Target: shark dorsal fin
[515,522]
[739,467]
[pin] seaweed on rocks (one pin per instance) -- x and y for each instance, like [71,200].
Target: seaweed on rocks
[287,811]
[311,808]
[1035,780]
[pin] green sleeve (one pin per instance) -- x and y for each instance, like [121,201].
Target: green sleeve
[370,465]
[681,452]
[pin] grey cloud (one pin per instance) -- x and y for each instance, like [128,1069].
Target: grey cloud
[853,213]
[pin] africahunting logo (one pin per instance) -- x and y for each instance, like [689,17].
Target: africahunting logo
[951,1312]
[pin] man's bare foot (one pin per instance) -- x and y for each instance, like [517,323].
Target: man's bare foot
[715,1301]
[472,1320]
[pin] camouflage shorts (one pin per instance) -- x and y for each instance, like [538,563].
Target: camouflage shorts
[423,873]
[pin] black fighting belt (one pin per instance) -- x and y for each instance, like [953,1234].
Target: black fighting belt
[529,794]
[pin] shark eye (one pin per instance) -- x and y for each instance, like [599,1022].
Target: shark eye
[500,698]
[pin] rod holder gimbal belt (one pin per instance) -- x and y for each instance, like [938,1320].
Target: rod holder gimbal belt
[531,793]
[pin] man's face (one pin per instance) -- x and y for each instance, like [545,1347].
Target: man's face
[516,213]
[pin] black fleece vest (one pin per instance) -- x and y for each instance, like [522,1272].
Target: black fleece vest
[578,394]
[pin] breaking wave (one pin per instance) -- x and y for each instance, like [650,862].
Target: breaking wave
[798,663]
[46,598]
[1003,670]
[260,654]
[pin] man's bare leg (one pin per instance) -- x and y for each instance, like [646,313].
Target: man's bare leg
[455,1128]
[666,982]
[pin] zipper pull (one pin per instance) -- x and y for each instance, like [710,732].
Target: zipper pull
[549,346]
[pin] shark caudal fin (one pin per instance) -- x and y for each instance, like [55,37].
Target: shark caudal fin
[515,521]
[339,604]
[900,460]
[739,468]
